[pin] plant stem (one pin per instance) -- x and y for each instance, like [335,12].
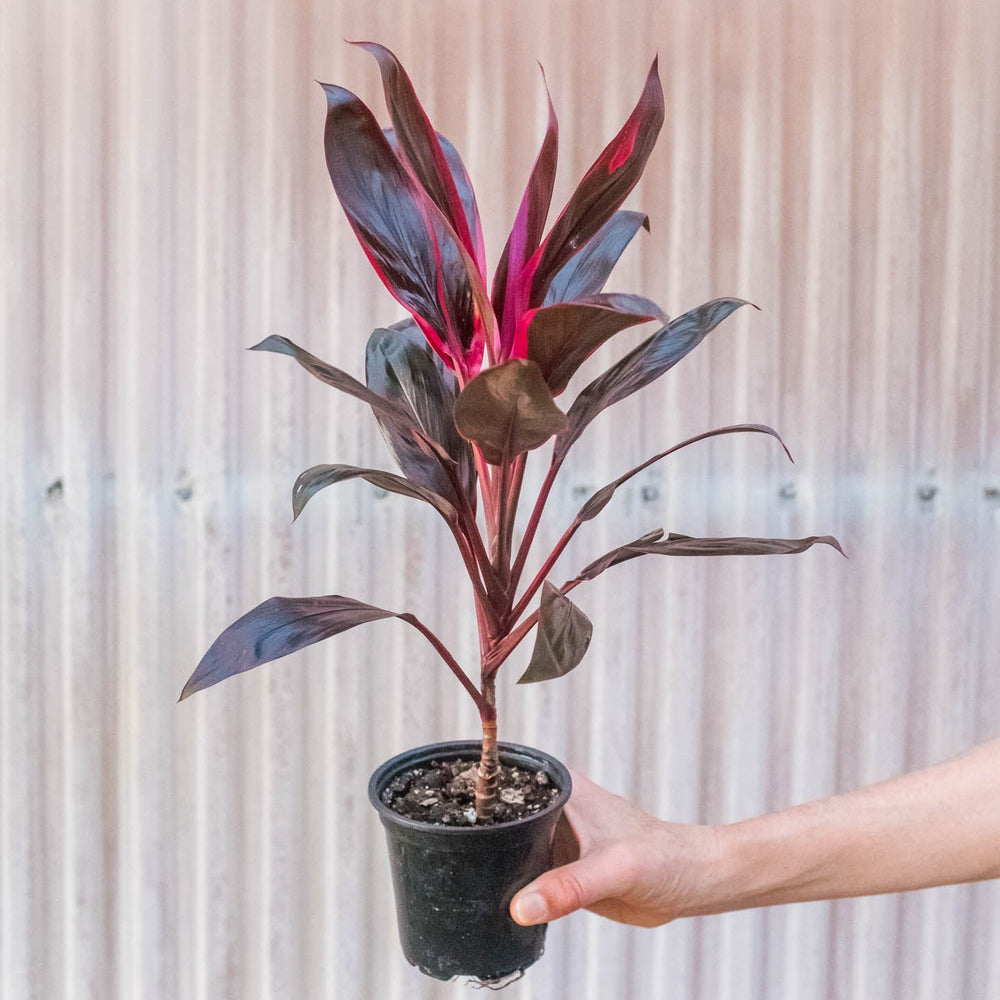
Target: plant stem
[472,568]
[450,660]
[544,571]
[532,527]
[485,582]
[487,586]
[494,586]
[488,491]
[510,497]
[501,560]
[488,778]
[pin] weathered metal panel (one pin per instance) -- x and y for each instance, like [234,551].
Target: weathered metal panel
[165,205]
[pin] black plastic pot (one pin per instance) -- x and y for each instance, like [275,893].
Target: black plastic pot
[454,885]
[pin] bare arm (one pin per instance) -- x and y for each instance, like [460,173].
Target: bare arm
[932,827]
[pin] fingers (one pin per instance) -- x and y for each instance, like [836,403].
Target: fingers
[572,887]
[597,866]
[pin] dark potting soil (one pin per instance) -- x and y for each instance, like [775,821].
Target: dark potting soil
[443,793]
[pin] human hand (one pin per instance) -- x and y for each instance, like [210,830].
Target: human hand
[621,863]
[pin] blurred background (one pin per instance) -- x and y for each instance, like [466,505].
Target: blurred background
[165,204]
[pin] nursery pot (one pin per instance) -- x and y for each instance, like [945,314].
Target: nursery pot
[454,885]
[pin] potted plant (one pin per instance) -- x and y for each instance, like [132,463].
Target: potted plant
[464,389]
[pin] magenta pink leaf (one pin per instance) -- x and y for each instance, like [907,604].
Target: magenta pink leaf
[421,147]
[511,283]
[463,184]
[409,241]
[467,196]
[603,189]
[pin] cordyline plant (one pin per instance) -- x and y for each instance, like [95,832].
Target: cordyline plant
[465,388]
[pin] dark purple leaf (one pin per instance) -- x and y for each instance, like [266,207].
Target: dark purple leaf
[586,272]
[562,638]
[511,284]
[421,147]
[603,189]
[684,545]
[467,196]
[407,238]
[507,410]
[400,366]
[279,626]
[463,184]
[601,498]
[617,555]
[562,336]
[642,365]
[318,477]
[626,302]
[384,408]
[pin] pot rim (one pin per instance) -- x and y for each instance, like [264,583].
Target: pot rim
[449,750]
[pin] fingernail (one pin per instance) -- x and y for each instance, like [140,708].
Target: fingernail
[529,909]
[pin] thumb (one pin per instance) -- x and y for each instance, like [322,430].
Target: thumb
[563,890]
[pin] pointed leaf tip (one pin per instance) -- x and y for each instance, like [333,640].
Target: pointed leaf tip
[602,497]
[276,344]
[603,188]
[275,628]
[408,239]
[586,272]
[514,272]
[643,365]
[421,148]
[834,544]
[336,96]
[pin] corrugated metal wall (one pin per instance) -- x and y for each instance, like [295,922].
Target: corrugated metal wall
[164,203]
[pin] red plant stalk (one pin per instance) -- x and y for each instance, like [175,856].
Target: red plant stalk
[507,480]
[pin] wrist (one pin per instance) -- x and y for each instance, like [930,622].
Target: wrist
[714,869]
[770,860]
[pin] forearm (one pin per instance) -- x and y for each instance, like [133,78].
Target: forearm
[932,827]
